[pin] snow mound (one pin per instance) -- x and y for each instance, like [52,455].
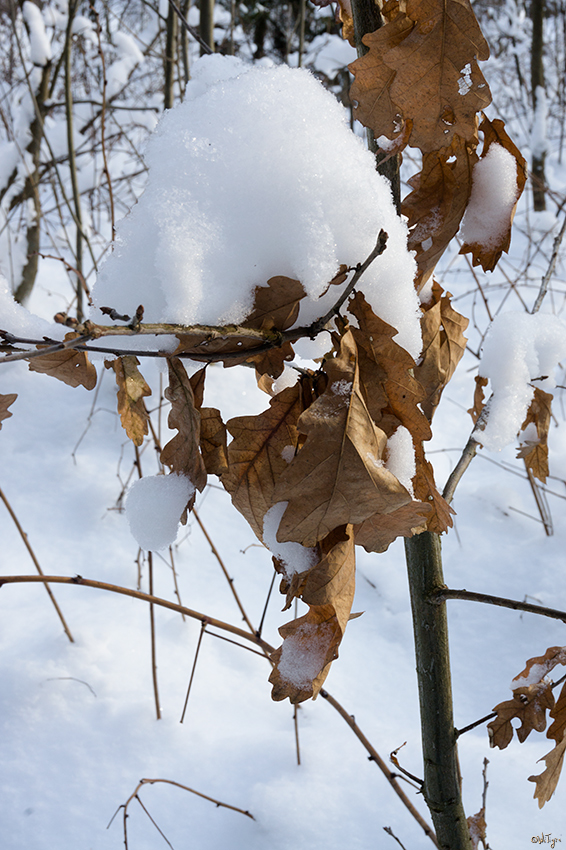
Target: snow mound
[153,508]
[256,174]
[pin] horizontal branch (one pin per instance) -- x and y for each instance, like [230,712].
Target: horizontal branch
[444,593]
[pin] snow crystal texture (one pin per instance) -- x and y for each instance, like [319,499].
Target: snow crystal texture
[153,508]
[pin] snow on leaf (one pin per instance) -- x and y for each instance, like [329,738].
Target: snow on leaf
[435,207]
[310,643]
[537,668]
[132,389]
[181,454]
[444,344]
[254,456]
[529,705]
[535,452]
[70,366]
[498,182]
[335,479]
[547,781]
[5,402]
[423,50]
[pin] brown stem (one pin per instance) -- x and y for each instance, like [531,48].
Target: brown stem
[27,544]
[441,594]
[152,630]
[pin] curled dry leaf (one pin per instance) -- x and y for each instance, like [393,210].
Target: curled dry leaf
[477,827]
[535,452]
[540,666]
[488,255]
[378,532]
[557,729]
[5,402]
[430,51]
[529,705]
[338,476]
[68,365]
[255,459]
[444,344]
[182,452]
[310,643]
[132,389]
[441,191]
[547,781]
[479,398]
[440,518]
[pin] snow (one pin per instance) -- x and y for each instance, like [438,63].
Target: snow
[40,46]
[294,557]
[520,348]
[400,458]
[303,655]
[494,194]
[19,321]
[154,505]
[539,142]
[242,188]
[129,56]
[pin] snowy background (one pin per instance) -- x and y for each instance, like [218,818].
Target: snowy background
[78,725]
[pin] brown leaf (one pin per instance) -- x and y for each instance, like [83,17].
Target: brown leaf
[547,781]
[444,344]
[181,454]
[440,520]
[197,381]
[132,389]
[479,398]
[537,668]
[70,366]
[529,705]
[557,729]
[213,441]
[276,305]
[338,476]
[379,531]
[272,362]
[432,52]
[477,827]
[535,452]
[254,456]
[387,374]
[495,133]
[310,643]
[5,402]
[435,207]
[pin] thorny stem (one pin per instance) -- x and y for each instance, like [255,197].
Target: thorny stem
[36,563]
[248,636]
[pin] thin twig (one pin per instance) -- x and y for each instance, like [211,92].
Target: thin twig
[195,34]
[27,544]
[550,270]
[152,629]
[443,593]
[45,349]
[390,832]
[160,831]
[194,667]
[264,612]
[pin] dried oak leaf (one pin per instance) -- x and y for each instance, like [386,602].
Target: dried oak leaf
[547,781]
[337,477]
[441,191]
[440,519]
[529,705]
[132,389]
[444,344]
[479,398]
[70,366]
[488,256]
[379,531]
[432,50]
[254,456]
[181,454]
[540,666]
[557,729]
[387,374]
[535,452]
[477,828]
[5,402]
[213,441]
[310,643]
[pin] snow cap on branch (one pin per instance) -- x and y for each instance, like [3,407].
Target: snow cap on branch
[256,174]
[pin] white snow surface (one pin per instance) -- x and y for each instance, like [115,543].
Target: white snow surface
[400,459]
[519,348]
[539,141]
[154,505]
[40,45]
[494,194]
[256,174]
[294,557]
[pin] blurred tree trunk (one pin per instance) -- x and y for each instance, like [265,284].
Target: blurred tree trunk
[170,58]
[537,92]
[206,26]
